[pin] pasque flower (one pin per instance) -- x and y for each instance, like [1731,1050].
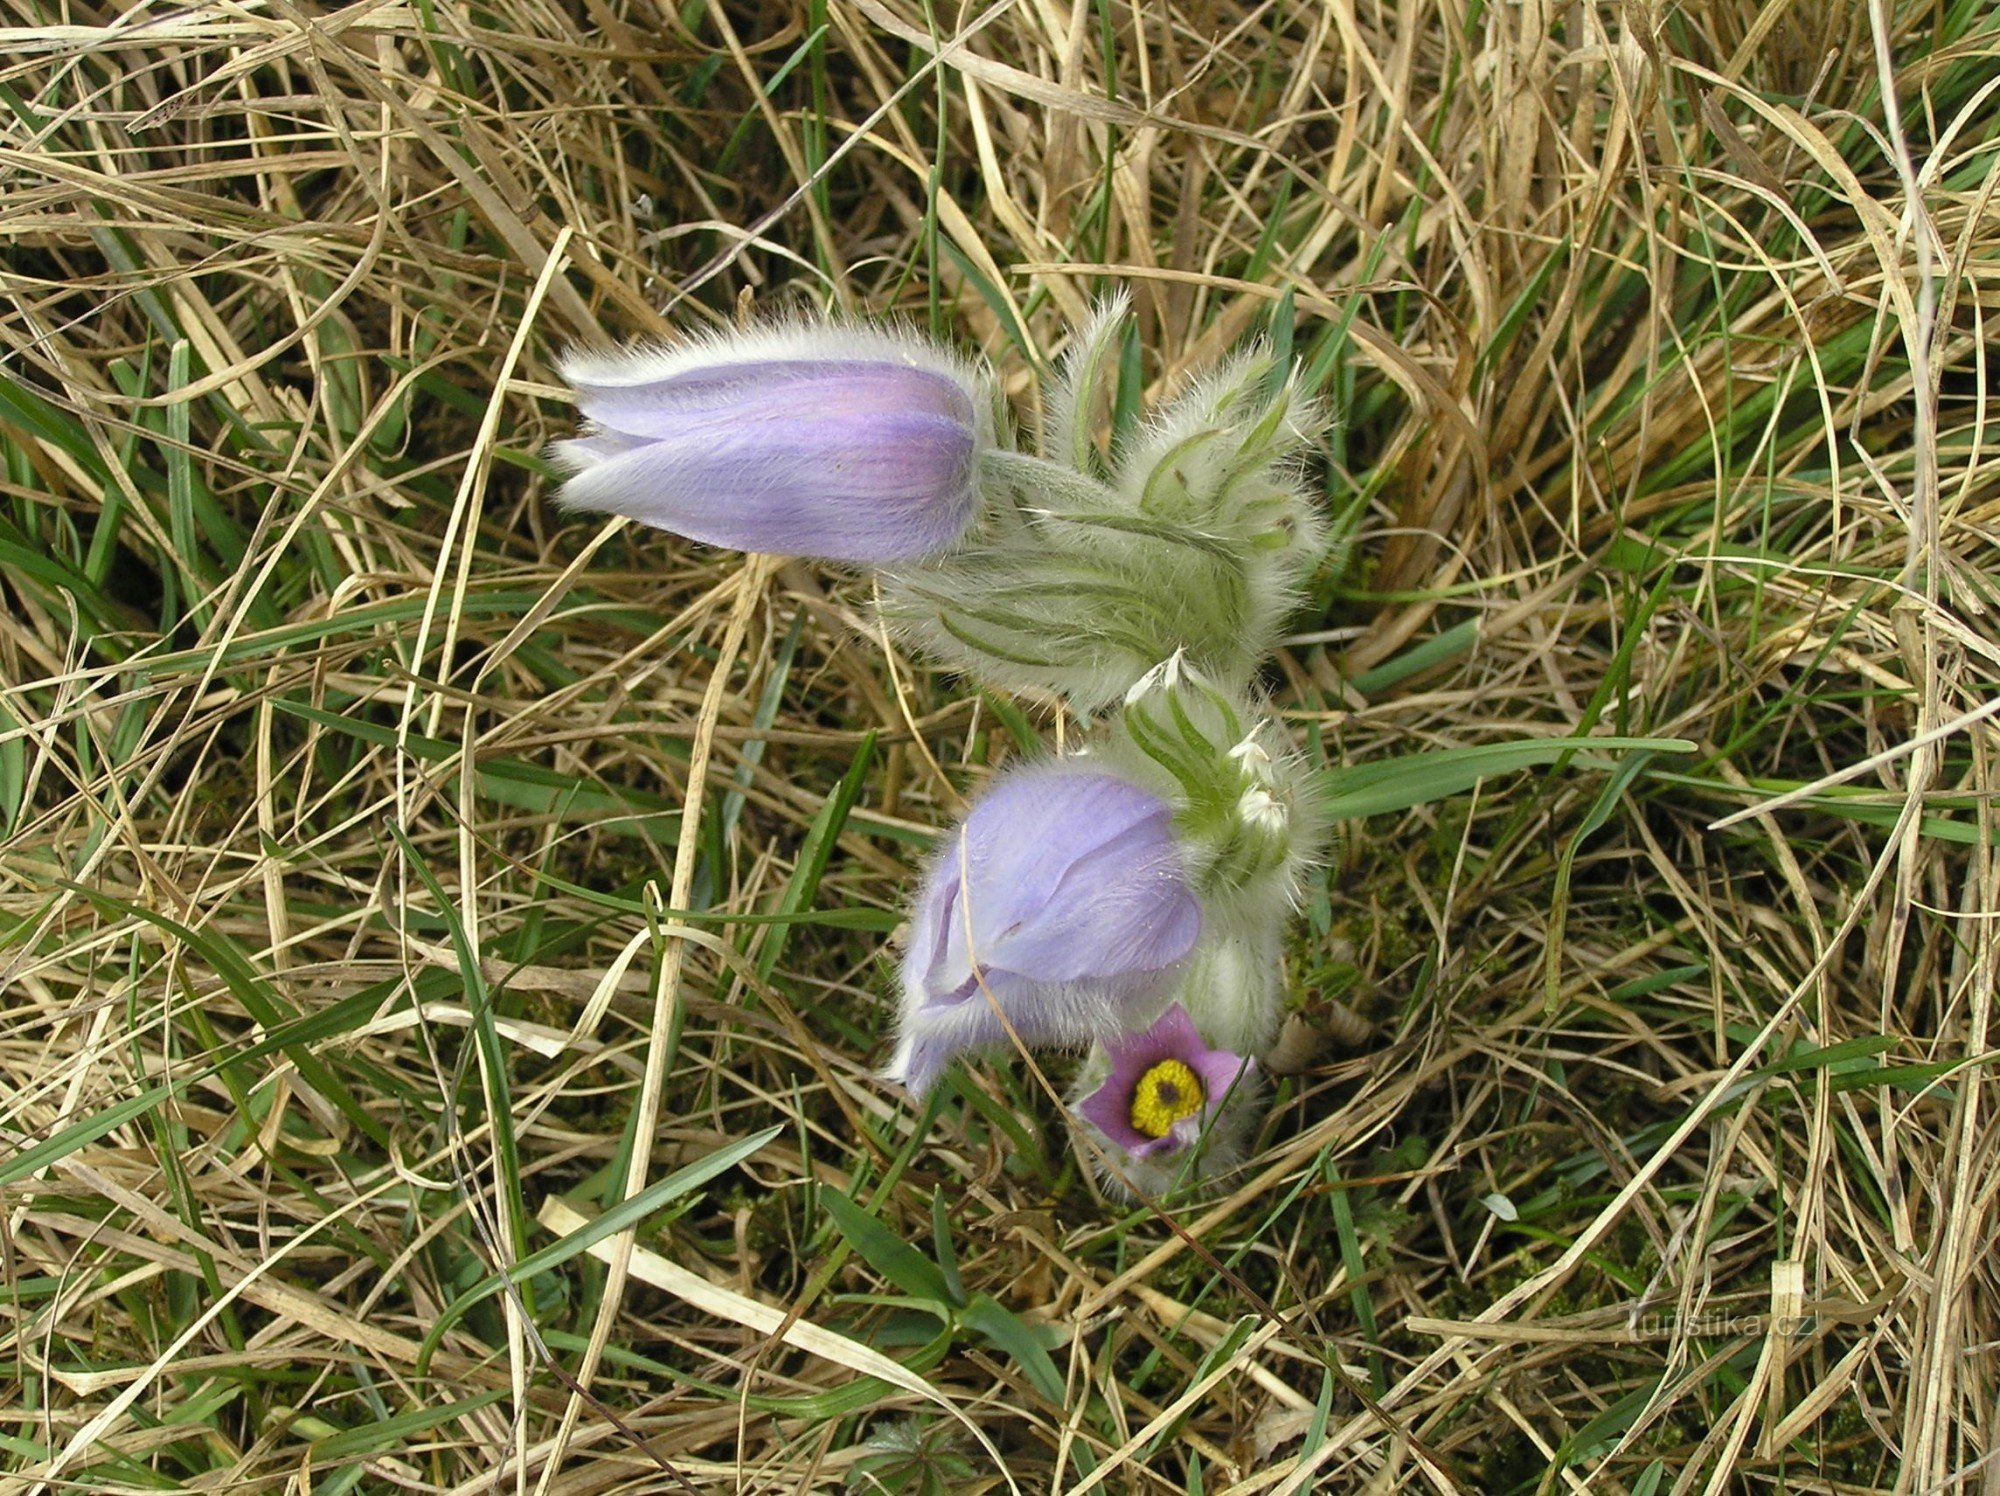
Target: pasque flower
[1166,1091]
[1129,900]
[841,442]
[1059,909]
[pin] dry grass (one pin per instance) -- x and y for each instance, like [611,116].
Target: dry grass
[375,841]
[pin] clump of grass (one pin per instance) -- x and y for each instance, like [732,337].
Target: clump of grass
[445,944]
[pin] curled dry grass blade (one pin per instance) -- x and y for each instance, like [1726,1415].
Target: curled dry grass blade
[348,792]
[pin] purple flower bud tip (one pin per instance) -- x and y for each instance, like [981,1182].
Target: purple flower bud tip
[1165,1085]
[1060,905]
[847,443]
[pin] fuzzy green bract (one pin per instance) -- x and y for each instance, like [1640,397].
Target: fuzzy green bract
[1194,538]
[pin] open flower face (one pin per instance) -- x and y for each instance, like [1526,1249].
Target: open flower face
[1059,907]
[846,443]
[1165,1086]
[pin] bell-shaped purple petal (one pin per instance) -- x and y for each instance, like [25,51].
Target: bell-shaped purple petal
[1059,907]
[1165,1086]
[850,444]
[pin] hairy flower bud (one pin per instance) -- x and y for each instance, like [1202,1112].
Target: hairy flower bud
[1242,797]
[841,442]
[1246,812]
[1232,983]
[1058,909]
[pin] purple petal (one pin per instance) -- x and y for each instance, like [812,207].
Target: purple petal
[1172,1036]
[1066,876]
[1109,1107]
[1122,907]
[930,928]
[1219,1072]
[1066,887]
[918,1063]
[852,459]
[1038,1014]
[586,451]
[889,487]
[775,389]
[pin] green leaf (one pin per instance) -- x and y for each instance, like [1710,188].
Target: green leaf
[761,720]
[1019,728]
[1419,778]
[493,1069]
[348,1013]
[1008,1334]
[242,979]
[1600,811]
[886,1252]
[82,1134]
[815,853]
[1454,641]
[947,1258]
[387,1432]
[1828,1055]
[627,1213]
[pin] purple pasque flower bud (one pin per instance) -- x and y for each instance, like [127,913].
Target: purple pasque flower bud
[1059,908]
[843,442]
[1166,1093]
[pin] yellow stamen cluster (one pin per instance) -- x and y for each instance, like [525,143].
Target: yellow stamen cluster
[1166,1094]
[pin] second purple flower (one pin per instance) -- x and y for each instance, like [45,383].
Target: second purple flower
[1058,909]
[1165,1085]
